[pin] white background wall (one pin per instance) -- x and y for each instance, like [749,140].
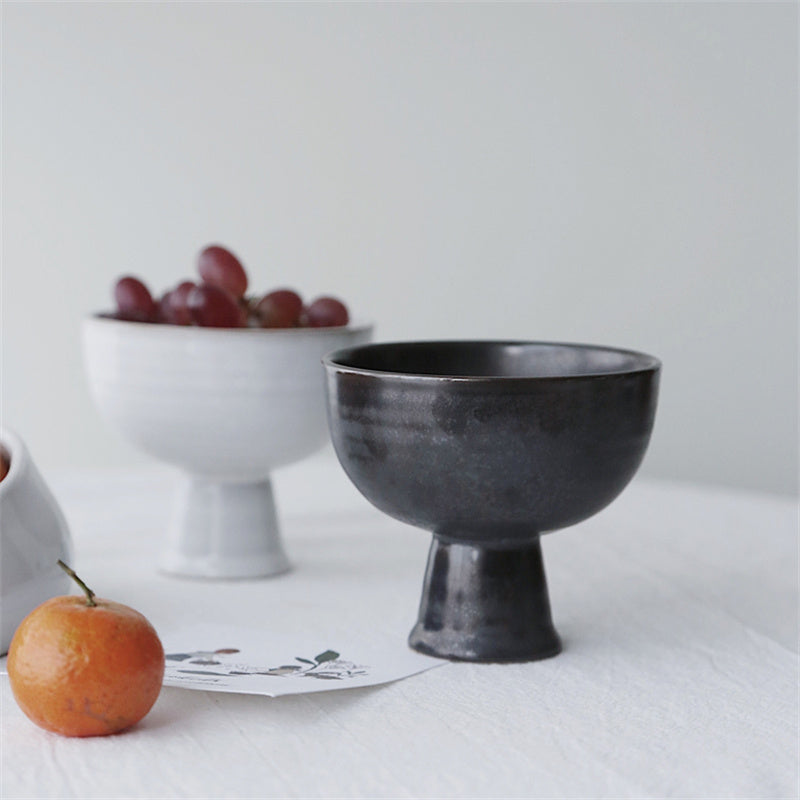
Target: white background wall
[616,173]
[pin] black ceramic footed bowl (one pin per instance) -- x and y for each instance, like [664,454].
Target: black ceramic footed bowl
[488,445]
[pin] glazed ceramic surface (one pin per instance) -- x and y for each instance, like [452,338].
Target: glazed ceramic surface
[488,445]
[226,406]
[33,537]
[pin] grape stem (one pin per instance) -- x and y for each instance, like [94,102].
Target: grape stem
[89,593]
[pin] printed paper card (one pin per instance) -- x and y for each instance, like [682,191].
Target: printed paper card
[240,660]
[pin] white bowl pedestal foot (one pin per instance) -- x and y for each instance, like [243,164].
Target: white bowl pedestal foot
[224,530]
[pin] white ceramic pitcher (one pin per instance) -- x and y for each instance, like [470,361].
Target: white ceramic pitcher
[33,536]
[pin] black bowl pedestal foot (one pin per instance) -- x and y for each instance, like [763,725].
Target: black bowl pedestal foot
[485,604]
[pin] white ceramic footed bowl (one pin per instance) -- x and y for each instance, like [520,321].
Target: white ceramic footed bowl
[227,406]
[230,404]
[33,536]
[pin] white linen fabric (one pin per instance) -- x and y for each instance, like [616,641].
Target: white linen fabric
[679,676]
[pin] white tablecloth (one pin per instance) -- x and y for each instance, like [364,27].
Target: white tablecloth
[679,677]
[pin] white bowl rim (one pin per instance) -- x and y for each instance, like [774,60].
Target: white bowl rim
[100,319]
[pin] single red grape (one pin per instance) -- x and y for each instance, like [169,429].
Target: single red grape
[173,308]
[134,301]
[161,305]
[279,309]
[326,312]
[219,267]
[212,307]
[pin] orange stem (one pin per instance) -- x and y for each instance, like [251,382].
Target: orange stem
[89,593]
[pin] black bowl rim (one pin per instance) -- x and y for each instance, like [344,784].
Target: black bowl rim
[648,363]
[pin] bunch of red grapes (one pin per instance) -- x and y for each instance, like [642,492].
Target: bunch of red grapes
[218,300]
